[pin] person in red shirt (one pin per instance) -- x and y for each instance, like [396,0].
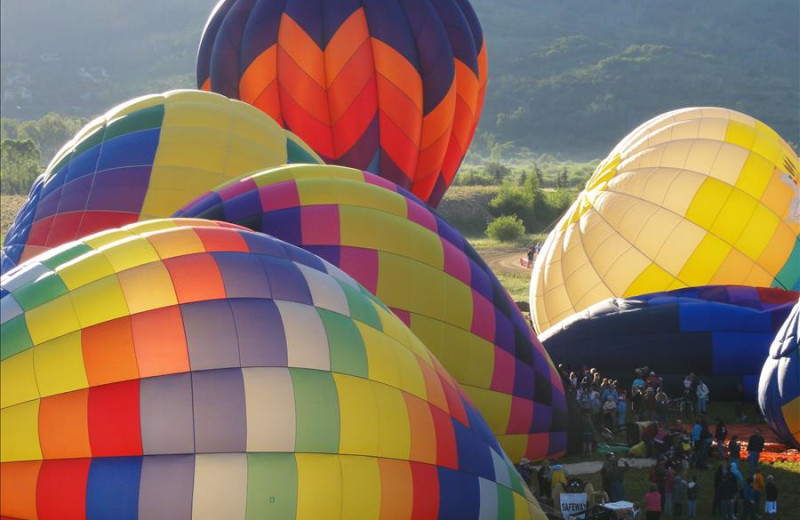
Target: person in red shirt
[652,503]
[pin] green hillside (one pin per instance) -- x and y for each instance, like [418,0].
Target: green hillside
[566,76]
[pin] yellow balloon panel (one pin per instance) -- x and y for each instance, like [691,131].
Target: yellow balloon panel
[691,197]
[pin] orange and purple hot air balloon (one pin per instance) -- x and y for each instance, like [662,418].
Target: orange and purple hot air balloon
[392,86]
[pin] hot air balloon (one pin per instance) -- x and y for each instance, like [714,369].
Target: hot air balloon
[144,159]
[426,272]
[721,333]
[697,196]
[189,369]
[779,386]
[395,87]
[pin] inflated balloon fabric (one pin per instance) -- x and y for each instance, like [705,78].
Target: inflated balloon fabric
[426,272]
[721,333]
[144,159]
[392,86]
[698,196]
[779,386]
[190,369]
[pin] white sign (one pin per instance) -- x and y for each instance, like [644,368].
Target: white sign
[573,505]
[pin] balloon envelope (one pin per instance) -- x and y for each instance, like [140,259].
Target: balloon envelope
[144,159]
[426,272]
[721,333]
[779,386]
[190,369]
[698,196]
[392,86]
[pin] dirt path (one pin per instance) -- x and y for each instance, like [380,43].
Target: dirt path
[505,260]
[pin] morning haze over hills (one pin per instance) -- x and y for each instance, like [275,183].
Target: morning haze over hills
[566,77]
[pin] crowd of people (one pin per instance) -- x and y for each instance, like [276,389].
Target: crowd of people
[740,491]
[673,492]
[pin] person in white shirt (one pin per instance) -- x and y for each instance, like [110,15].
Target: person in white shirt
[702,397]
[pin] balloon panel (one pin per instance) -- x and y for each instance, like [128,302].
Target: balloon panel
[698,196]
[426,272]
[779,386]
[144,159]
[721,333]
[395,86]
[196,369]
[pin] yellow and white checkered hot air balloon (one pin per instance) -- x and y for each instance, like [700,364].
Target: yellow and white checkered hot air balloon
[696,196]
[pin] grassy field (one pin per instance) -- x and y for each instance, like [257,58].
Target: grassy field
[9,206]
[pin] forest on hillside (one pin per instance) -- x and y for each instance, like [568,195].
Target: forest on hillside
[567,77]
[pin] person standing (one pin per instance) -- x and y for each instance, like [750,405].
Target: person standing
[661,404]
[525,471]
[605,475]
[618,480]
[734,451]
[771,498]
[728,490]
[543,477]
[758,485]
[702,397]
[719,475]
[622,409]
[669,486]
[692,492]
[705,444]
[652,503]
[679,497]
[720,434]
[755,445]
[749,500]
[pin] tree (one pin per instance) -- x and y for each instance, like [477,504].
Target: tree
[562,180]
[19,165]
[497,171]
[506,229]
[514,201]
[538,172]
[50,132]
[534,187]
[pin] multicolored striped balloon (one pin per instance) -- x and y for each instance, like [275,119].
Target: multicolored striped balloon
[721,333]
[426,272]
[779,386]
[697,196]
[189,369]
[145,159]
[395,87]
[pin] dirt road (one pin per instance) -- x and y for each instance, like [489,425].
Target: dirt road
[505,260]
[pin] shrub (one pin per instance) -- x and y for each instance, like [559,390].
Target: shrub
[506,228]
[515,201]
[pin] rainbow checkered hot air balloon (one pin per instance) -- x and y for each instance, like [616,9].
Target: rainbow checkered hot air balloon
[391,86]
[427,273]
[696,196]
[145,159]
[191,369]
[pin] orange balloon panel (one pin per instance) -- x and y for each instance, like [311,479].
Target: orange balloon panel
[395,87]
